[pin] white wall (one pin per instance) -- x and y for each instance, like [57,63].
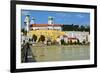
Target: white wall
[80,35]
[34,28]
[55,27]
[5,35]
[49,27]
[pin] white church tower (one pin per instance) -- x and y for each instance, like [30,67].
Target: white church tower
[27,22]
[50,20]
[32,20]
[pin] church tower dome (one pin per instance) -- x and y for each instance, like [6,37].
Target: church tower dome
[50,20]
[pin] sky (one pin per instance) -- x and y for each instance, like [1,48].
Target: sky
[41,17]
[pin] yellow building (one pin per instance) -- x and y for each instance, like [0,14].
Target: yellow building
[50,30]
[52,34]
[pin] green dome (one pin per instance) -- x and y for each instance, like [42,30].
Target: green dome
[50,18]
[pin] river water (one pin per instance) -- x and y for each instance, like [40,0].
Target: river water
[61,53]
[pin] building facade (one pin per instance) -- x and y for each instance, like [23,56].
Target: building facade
[77,35]
[54,31]
[46,27]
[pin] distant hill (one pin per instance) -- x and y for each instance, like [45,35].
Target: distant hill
[73,27]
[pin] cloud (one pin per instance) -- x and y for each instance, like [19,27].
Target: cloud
[25,13]
[80,15]
[61,14]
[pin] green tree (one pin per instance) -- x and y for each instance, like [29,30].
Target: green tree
[24,31]
[34,37]
[78,41]
[84,41]
[63,42]
[42,38]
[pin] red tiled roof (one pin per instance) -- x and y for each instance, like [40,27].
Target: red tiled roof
[45,25]
[72,38]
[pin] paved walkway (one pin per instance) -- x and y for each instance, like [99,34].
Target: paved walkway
[27,55]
